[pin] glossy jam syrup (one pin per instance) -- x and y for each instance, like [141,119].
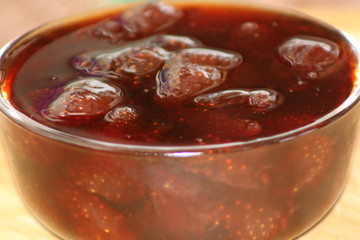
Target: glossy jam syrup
[188,75]
[279,73]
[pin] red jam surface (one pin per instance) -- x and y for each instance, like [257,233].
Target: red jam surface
[157,74]
[163,75]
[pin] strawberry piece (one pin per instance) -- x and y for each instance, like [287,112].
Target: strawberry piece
[246,172]
[116,181]
[220,59]
[264,99]
[257,99]
[194,206]
[92,217]
[257,40]
[149,18]
[173,43]
[193,71]
[250,220]
[310,160]
[181,81]
[100,197]
[111,28]
[307,53]
[226,125]
[288,121]
[306,62]
[83,100]
[194,198]
[177,206]
[223,98]
[136,59]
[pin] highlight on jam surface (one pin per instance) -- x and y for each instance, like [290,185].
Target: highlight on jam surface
[182,75]
[154,73]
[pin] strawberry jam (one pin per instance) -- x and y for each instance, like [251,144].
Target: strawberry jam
[190,75]
[181,101]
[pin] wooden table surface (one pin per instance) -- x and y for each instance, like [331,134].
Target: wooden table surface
[343,223]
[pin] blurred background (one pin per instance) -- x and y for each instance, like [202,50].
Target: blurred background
[18,16]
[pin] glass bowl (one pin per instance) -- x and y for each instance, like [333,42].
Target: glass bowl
[275,187]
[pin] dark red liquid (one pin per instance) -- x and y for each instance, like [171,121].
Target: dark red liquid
[45,69]
[193,75]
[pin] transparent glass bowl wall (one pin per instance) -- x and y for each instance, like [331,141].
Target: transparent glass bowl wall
[272,188]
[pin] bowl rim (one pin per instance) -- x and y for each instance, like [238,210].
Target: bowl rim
[171,150]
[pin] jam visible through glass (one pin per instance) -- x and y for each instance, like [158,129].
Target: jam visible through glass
[188,74]
[163,75]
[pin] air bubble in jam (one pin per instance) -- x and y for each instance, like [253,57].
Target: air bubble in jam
[84,100]
[249,28]
[305,53]
[150,18]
